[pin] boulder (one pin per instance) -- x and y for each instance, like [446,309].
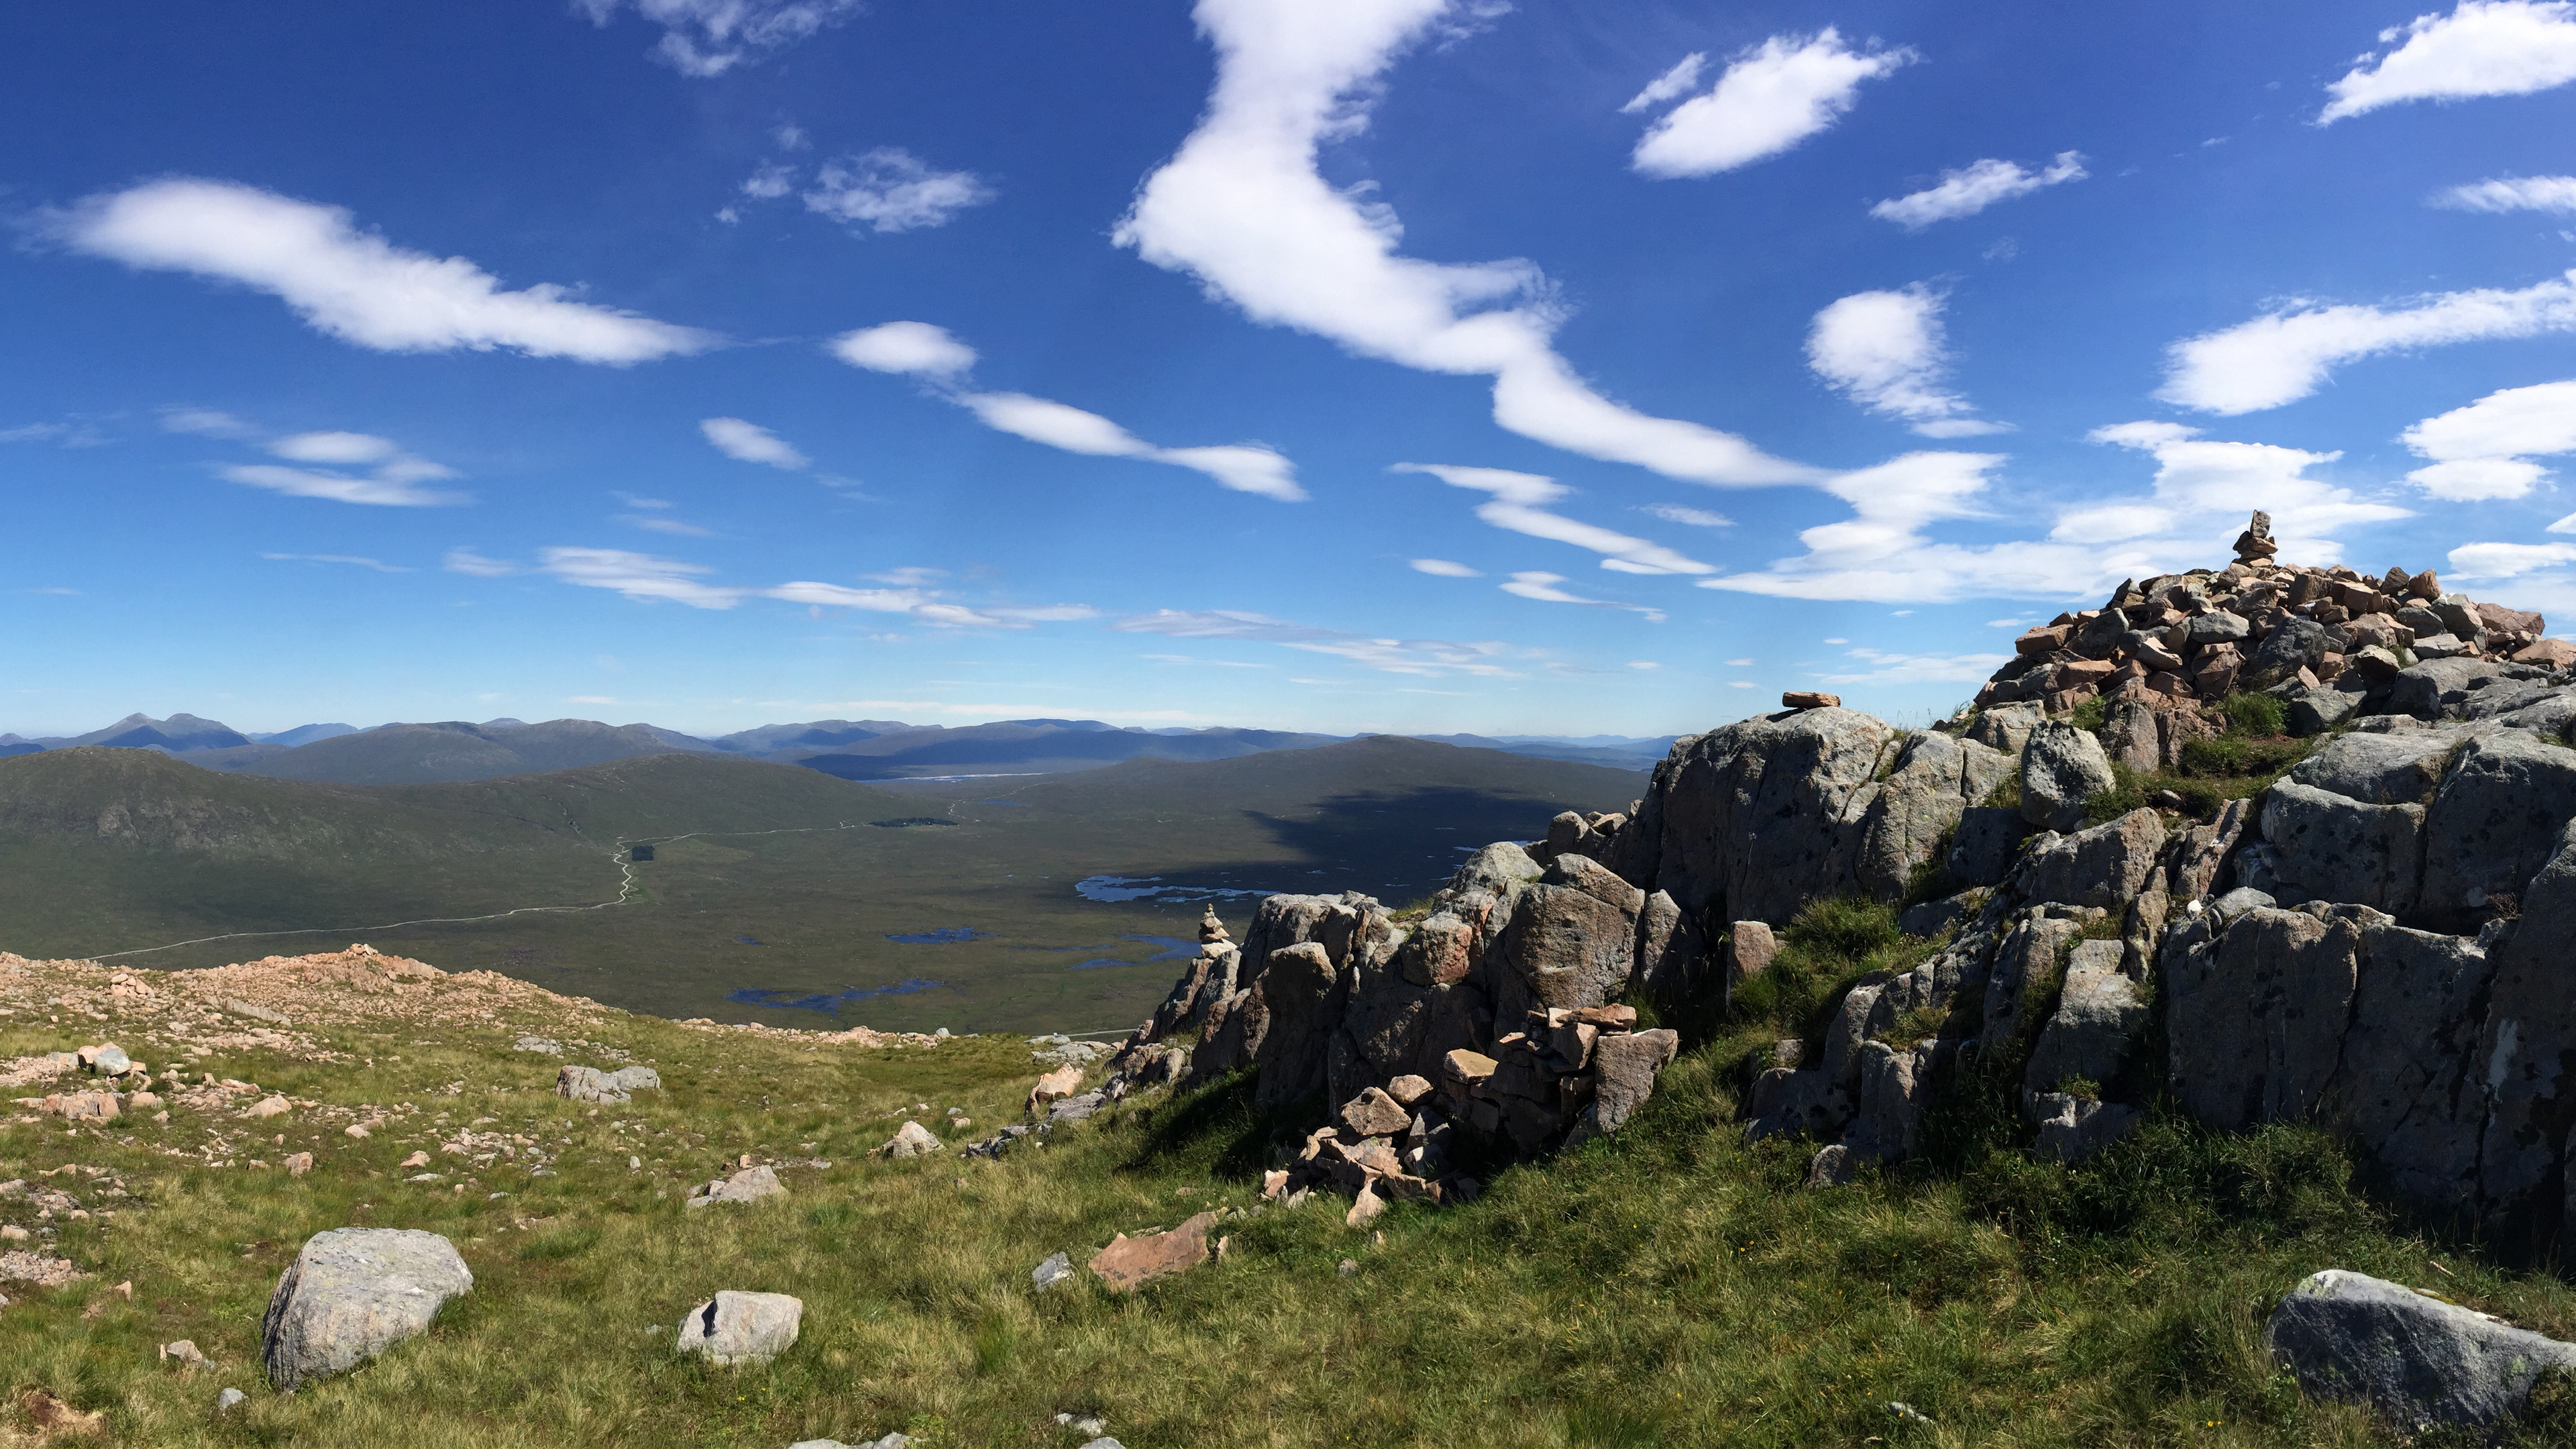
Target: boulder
[2315,711]
[1751,946]
[1809,1103]
[739,1328]
[2494,822]
[909,1140]
[2331,847]
[1064,1081]
[2006,727]
[1671,953]
[2099,1014]
[1758,818]
[1566,947]
[1127,1262]
[1056,1269]
[2419,1361]
[2105,866]
[2295,644]
[1374,1114]
[2379,769]
[2254,1015]
[350,1294]
[2061,768]
[2425,690]
[1904,817]
[590,1084]
[1301,993]
[1624,1066]
[749,1185]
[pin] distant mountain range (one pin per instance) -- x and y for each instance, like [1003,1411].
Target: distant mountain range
[454,751]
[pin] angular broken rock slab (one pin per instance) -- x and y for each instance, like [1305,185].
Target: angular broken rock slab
[2414,1358]
[2105,866]
[733,1328]
[1129,1262]
[590,1084]
[350,1294]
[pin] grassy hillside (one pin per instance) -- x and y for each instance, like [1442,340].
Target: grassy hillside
[419,754]
[771,894]
[1666,1287]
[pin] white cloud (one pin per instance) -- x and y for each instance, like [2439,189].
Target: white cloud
[2202,491]
[1974,187]
[467,561]
[2286,355]
[1242,208]
[1515,506]
[911,576]
[2512,193]
[1055,424]
[653,524]
[1883,350]
[2507,560]
[1885,668]
[340,487]
[1739,664]
[914,348]
[751,443]
[69,435]
[339,448]
[1425,657]
[1645,664]
[205,422]
[1243,467]
[892,190]
[1772,97]
[1532,584]
[773,180]
[1678,81]
[790,137]
[631,501]
[1443,568]
[2480,451]
[337,558]
[354,285]
[709,37]
[641,577]
[1695,517]
[2482,48]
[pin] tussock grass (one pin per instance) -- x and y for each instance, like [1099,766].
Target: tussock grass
[1670,1286]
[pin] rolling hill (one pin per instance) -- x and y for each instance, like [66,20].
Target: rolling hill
[420,754]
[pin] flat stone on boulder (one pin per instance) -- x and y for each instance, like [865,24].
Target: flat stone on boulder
[2416,1359]
[350,1294]
[1810,699]
[736,1328]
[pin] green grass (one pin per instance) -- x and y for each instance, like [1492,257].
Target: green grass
[2240,762]
[1666,1287]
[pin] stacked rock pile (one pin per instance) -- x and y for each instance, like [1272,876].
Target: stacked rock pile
[2261,625]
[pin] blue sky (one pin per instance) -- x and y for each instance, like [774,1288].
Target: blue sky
[1419,365]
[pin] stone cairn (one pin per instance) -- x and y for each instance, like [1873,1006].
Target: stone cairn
[2177,640]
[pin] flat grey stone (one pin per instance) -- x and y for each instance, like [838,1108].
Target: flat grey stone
[1056,1269]
[735,1328]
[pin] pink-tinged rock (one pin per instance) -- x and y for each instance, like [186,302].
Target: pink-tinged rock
[2549,653]
[299,1164]
[1129,1262]
[1375,1114]
[1810,699]
[1063,1082]
[1366,1208]
[1274,1184]
[1750,947]
[1409,1089]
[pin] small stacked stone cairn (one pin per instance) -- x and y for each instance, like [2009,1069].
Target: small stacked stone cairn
[2260,625]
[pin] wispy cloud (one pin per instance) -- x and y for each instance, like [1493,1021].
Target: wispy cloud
[921,350]
[1516,506]
[1444,568]
[337,558]
[648,578]
[2482,48]
[350,284]
[1694,517]
[1879,667]
[467,561]
[655,523]
[1771,97]
[751,443]
[392,479]
[1428,657]
[66,435]
[892,190]
[705,38]
[2287,354]
[205,422]
[1681,80]
[1544,587]
[1974,187]
[2512,193]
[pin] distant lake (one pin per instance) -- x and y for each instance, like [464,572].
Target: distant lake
[828,1003]
[944,936]
[1150,888]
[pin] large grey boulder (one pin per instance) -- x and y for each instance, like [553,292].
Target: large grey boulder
[1567,947]
[2520,1066]
[1987,843]
[350,1294]
[2379,769]
[1757,819]
[2105,866]
[2495,821]
[1624,1067]
[2099,1014]
[2330,847]
[1904,817]
[2061,768]
[2416,1359]
[2007,727]
[749,1185]
[736,1328]
[2028,956]
[2429,689]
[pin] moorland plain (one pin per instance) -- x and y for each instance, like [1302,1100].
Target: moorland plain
[768,886]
